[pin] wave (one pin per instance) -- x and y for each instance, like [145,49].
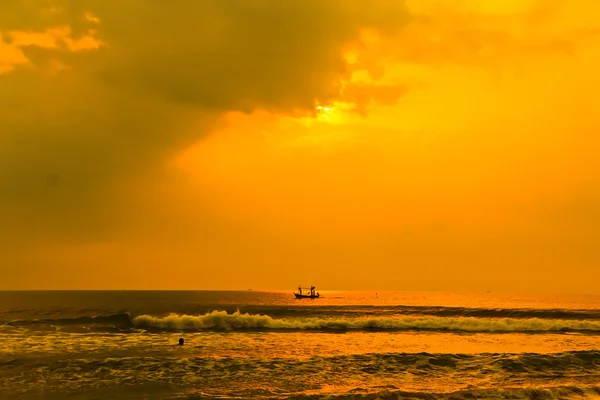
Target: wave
[430,376]
[363,310]
[541,393]
[239,321]
[122,320]
[497,312]
[120,316]
[221,320]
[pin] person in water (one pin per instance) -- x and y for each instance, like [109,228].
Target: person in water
[181,341]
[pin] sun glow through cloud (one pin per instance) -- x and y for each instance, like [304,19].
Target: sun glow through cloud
[334,113]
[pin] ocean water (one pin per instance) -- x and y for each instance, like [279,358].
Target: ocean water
[268,345]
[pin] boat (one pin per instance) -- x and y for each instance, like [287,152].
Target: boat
[311,294]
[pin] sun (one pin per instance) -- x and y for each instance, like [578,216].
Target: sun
[324,113]
[334,113]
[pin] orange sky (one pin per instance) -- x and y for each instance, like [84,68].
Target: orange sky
[418,145]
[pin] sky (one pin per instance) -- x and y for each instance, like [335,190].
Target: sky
[394,145]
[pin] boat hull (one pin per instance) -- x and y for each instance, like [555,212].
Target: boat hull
[306,296]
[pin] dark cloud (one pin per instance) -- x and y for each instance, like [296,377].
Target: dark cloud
[166,72]
[239,55]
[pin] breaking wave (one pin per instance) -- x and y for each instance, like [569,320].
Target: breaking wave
[221,320]
[279,311]
[241,321]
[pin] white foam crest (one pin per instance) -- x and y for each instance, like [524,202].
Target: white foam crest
[240,321]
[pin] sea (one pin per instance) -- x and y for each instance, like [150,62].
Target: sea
[268,345]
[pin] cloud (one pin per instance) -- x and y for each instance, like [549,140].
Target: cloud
[98,94]
[238,55]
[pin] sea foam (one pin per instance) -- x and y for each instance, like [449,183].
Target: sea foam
[221,320]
